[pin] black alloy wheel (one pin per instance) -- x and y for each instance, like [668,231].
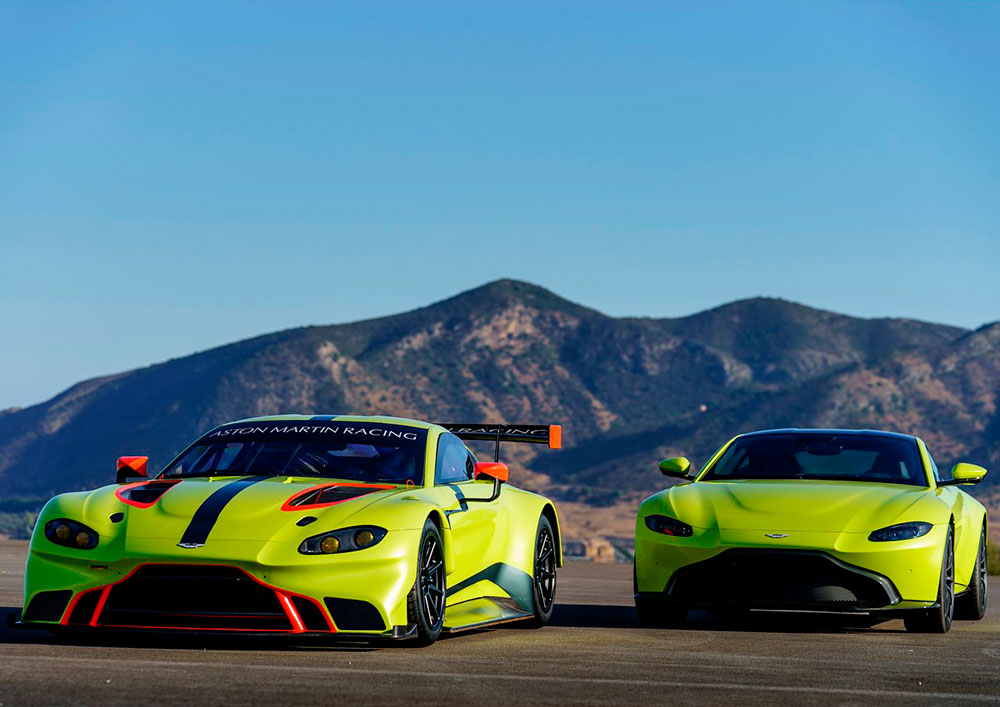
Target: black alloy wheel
[426,601]
[544,576]
[939,618]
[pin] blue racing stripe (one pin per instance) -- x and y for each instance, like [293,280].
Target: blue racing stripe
[205,517]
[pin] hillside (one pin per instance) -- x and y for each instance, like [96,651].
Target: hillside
[627,390]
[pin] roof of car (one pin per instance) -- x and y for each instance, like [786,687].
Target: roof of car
[387,419]
[823,430]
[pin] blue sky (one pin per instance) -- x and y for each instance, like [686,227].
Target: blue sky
[175,176]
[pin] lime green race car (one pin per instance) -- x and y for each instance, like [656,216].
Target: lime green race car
[821,520]
[348,527]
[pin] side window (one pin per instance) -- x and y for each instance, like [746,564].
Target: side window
[454,463]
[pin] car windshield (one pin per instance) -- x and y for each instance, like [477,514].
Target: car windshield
[355,451]
[831,456]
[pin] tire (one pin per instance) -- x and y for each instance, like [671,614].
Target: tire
[653,613]
[972,604]
[938,619]
[543,579]
[425,603]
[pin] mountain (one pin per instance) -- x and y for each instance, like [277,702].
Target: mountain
[627,390]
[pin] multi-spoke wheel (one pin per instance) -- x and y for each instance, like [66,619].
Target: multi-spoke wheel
[426,601]
[938,619]
[972,604]
[544,577]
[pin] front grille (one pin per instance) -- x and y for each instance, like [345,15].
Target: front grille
[195,597]
[780,578]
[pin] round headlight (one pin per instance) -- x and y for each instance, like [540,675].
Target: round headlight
[364,538]
[62,531]
[330,544]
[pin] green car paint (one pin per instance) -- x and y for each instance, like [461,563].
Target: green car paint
[250,525]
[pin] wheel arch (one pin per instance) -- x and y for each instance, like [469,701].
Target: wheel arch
[436,516]
[549,512]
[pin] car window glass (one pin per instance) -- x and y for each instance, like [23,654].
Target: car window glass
[454,462]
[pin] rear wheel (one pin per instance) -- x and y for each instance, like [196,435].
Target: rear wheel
[938,619]
[426,601]
[972,604]
[544,579]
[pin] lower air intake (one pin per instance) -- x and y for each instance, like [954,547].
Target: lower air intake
[193,597]
[780,579]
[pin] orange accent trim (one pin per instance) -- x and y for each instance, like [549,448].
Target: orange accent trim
[293,616]
[100,605]
[494,470]
[136,464]
[287,505]
[130,502]
[72,605]
[555,436]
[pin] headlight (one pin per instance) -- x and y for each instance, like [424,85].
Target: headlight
[668,526]
[900,531]
[343,540]
[69,533]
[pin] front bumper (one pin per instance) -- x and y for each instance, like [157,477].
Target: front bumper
[802,570]
[277,592]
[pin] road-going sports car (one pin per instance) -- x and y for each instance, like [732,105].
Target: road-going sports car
[341,526]
[827,520]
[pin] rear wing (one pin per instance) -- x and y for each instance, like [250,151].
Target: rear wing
[550,435]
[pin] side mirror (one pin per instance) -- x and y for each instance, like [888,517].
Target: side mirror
[675,466]
[130,467]
[495,470]
[964,473]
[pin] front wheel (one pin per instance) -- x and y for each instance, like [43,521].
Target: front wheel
[426,601]
[972,604]
[543,582]
[938,619]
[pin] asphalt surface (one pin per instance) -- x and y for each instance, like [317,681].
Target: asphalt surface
[593,652]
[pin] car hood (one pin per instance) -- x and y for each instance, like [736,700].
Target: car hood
[248,510]
[795,504]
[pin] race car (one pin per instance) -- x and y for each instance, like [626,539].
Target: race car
[339,526]
[815,520]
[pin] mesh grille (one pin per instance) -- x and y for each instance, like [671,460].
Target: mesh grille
[193,596]
[781,579]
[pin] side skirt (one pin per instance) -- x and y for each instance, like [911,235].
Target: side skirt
[483,612]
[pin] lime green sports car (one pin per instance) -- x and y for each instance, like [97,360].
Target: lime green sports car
[338,526]
[820,520]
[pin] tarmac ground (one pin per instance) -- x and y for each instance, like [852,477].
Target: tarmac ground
[593,652]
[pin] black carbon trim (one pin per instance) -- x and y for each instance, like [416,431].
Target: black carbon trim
[205,517]
[515,582]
